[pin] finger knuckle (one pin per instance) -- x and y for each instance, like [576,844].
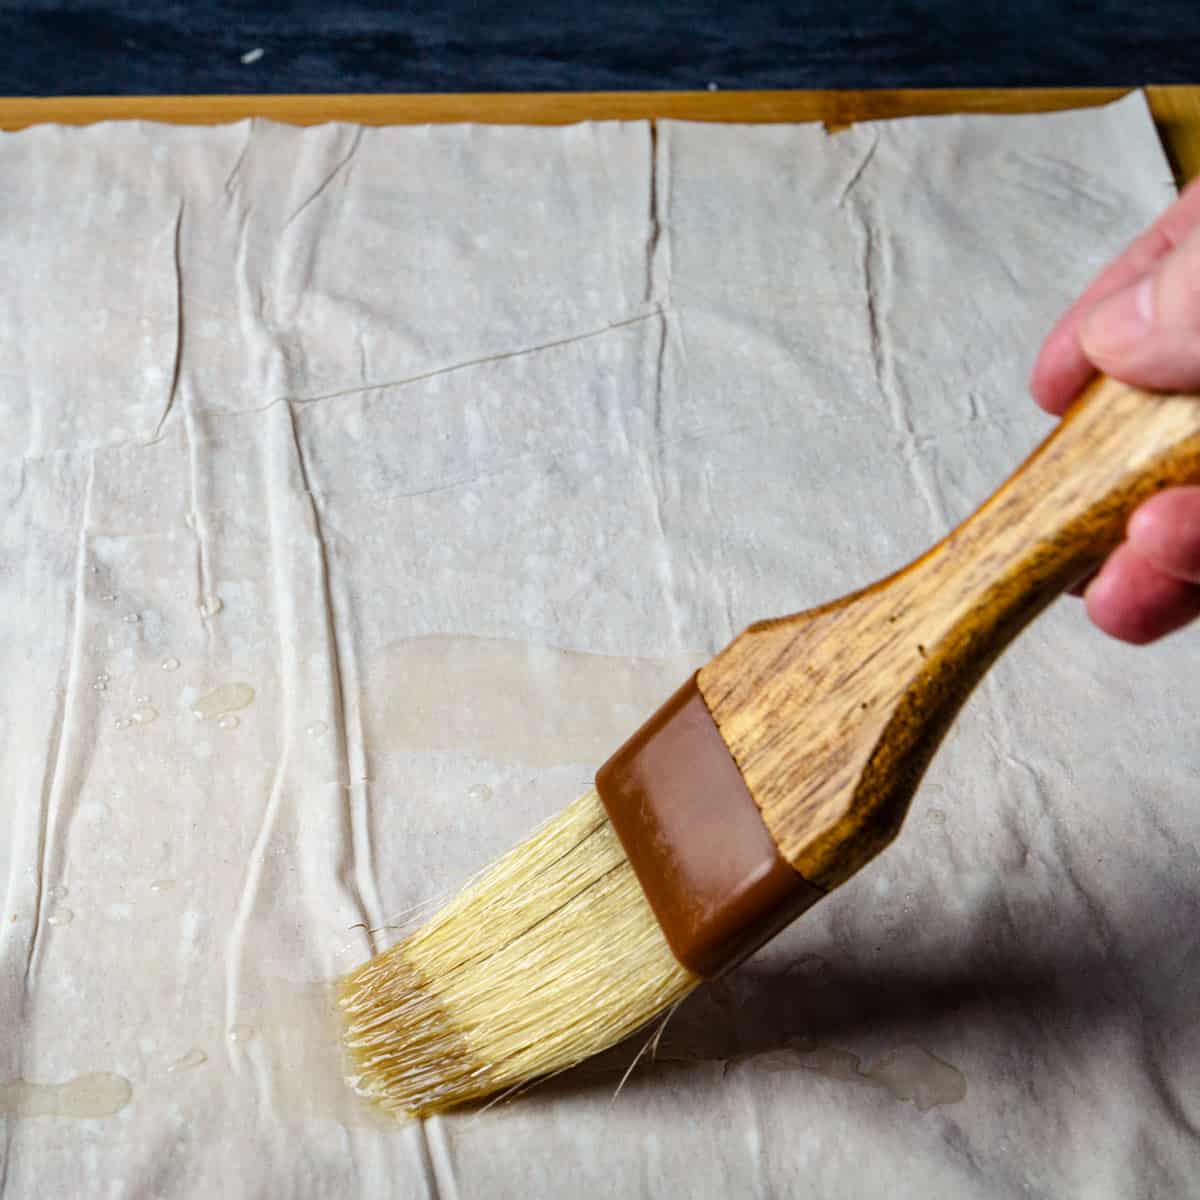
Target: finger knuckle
[1179,286]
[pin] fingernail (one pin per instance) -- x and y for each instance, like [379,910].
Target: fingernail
[1099,581]
[1121,321]
[1092,588]
[1141,525]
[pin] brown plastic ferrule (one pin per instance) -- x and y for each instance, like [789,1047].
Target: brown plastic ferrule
[696,840]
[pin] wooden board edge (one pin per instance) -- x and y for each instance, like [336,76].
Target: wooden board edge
[1176,108]
[547,108]
[1177,115]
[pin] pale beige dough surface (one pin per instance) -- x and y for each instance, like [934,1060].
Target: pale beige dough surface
[456,448]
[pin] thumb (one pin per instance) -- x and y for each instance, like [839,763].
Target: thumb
[1148,334]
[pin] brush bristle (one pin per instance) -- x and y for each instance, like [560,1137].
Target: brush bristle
[549,957]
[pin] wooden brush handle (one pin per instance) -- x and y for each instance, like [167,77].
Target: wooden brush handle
[832,715]
[1066,508]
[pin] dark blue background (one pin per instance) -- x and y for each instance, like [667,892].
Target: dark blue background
[122,47]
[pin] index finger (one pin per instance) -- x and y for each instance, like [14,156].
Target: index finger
[1062,368]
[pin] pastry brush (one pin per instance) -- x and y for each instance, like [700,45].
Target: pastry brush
[767,780]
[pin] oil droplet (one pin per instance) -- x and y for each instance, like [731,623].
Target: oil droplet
[141,699]
[60,916]
[193,1058]
[908,1072]
[810,966]
[98,1095]
[131,618]
[162,885]
[170,664]
[317,728]
[479,793]
[109,596]
[93,569]
[144,715]
[228,721]
[211,606]
[833,1064]
[99,685]
[122,722]
[414,699]
[913,1074]
[229,697]
[58,892]
[241,1033]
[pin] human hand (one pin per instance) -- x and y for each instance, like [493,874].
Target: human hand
[1139,321]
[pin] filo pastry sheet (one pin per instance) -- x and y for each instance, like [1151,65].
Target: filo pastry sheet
[362,489]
